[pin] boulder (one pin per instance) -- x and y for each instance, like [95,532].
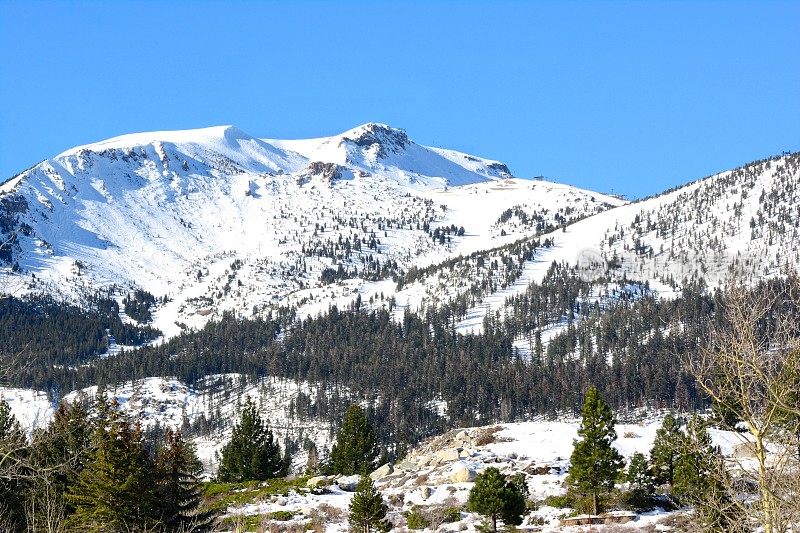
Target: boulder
[426,492]
[449,455]
[318,482]
[465,453]
[407,465]
[348,483]
[382,472]
[462,474]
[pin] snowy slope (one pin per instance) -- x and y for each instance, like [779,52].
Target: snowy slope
[745,220]
[217,220]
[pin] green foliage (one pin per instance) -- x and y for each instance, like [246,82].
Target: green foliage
[138,306]
[98,475]
[367,509]
[632,348]
[638,474]
[220,496]
[55,333]
[9,426]
[637,500]
[356,449]
[116,489]
[701,478]
[561,501]
[415,519]
[12,451]
[252,453]
[179,494]
[595,464]
[281,516]
[452,514]
[665,450]
[497,498]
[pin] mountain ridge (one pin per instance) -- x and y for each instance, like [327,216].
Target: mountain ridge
[215,219]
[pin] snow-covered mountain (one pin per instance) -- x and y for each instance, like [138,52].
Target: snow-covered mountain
[216,219]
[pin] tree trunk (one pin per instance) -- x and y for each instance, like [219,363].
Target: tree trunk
[767,501]
[594,504]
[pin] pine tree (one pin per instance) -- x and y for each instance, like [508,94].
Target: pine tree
[115,491]
[9,426]
[178,470]
[665,451]
[12,453]
[595,464]
[59,454]
[701,478]
[356,449]
[638,474]
[497,498]
[367,509]
[252,453]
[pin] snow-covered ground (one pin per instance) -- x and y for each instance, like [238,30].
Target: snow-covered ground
[439,473]
[218,220]
[170,403]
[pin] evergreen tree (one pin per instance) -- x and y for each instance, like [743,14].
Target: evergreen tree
[356,449]
[497,498]
[252,453]
[178,470]
[665,451]
[59,454]
[595,464]
[116,490]
[9,426]
[12,454]
[367,509]
[638,474]
[701,478]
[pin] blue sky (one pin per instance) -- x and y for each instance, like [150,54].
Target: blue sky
[633,97]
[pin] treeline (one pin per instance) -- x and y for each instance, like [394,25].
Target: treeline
[632,351]
[46,333]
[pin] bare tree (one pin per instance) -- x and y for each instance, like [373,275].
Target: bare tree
[750,369]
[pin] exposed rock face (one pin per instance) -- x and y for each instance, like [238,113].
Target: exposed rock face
[380,137]
[329,172]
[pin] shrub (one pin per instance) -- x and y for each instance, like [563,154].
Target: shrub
[415,519]
[452,514]
[281,516]
[561,502]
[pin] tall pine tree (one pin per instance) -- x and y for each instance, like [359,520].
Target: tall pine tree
[356,449]
[701,478]
[665,451]
[116,489]
[252,453]
[178,470]
[595,464]
[12,458]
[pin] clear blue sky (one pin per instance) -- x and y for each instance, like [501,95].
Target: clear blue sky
[632,97]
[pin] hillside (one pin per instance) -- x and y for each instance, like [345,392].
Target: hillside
[214,219]
[186,270]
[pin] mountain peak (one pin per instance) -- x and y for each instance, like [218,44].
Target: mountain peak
[373,133]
